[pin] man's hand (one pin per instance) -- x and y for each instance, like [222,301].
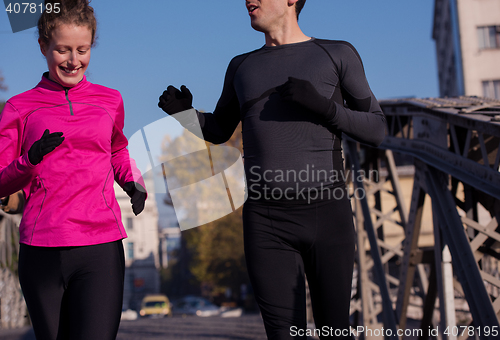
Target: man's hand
[303,92]
[44,145]
[137,196]
[172,100]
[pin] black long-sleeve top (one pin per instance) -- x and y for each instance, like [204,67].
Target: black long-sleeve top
[286,146]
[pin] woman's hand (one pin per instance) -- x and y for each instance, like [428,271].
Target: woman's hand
[44,145]
[137,196]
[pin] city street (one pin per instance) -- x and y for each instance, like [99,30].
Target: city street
[242,328]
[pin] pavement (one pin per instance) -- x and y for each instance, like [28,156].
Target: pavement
[246,327]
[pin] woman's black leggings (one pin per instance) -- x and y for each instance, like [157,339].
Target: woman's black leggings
[73,292]
[285,239]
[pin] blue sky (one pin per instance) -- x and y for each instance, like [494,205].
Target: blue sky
[143,47]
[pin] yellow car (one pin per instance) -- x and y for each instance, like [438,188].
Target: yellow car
[155,305]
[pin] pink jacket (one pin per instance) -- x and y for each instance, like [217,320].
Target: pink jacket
[69,195]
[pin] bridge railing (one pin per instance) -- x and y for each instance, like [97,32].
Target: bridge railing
[454,144]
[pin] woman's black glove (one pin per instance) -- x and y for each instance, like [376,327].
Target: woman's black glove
[172,100]
[137,195]
[44,145]
[303,92]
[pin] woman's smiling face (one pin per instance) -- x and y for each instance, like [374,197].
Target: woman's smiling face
[68,53]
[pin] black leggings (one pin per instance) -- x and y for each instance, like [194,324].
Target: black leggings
[285,239]
[73,292]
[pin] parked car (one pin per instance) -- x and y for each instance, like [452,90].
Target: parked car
[155,305]
[232,313]
[193,305]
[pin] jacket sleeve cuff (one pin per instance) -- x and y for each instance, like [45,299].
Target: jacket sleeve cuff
[25,160]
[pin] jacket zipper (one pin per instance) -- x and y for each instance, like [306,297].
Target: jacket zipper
[69,101]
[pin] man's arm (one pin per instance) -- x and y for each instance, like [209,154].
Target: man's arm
[363,118]
[216,127]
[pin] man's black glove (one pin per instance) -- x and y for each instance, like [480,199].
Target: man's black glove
[172,100]
[44,145]
[303,92]
[137,195]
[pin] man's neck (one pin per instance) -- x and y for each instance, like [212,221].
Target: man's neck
[286,34]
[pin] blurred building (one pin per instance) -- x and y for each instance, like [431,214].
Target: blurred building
[141,248]
[12,306]
[170,243]
[169,231]
[467,36]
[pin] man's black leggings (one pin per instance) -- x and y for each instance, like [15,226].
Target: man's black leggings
[73,292]
[285,239]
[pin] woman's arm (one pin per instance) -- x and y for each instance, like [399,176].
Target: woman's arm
[16,171]
[124,167]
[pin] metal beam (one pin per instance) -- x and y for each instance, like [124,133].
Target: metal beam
[465,265]
[388,313]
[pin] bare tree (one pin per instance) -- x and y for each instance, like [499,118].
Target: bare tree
[3,87]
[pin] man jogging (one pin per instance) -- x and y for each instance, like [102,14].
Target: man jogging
[295,96]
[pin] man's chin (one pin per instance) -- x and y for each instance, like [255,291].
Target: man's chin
[257,27]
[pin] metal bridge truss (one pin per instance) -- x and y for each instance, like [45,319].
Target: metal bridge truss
[454,143]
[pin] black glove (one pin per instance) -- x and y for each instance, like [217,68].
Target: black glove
[44,145]
[303,92]
[137,195]
[172,100]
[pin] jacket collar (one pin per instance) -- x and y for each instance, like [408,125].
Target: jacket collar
[47,84]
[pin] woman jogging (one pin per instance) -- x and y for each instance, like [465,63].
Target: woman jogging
[62,143]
